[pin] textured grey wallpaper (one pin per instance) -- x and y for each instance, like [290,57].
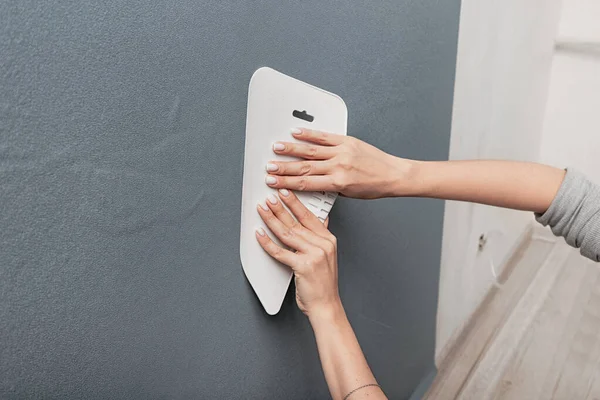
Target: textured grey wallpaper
[121,145]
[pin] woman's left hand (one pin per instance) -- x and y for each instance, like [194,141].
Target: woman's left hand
[313,259]
[314,251]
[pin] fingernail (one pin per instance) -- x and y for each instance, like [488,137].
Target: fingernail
[278,147]
[260,231]
[296,131]
[284,192]
[263,206]
[272,167]
[270,180]
[272,199]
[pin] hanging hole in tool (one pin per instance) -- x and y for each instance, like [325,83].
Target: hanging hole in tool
[303,115]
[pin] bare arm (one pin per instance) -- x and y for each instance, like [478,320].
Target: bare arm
[357,169]
[510,184]
[567,202]
[343,362]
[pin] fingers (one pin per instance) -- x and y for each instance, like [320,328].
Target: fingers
[307,151]
[317,137]
[280,254]
[298,168]
[326,222]
[313,183]
[281,213]
[282,232]
[289,221]
[303,214]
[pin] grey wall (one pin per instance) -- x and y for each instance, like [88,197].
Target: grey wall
[122,133]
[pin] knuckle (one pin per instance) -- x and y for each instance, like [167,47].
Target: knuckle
[287,234]
[275,250]
[333,240]
[351,142]
[308,133]
[306,264]
[321,137]
[345,161]
[302,184]
[346,166]
[340,182]
[312,151]
[310,268]
[304,214]
[329,246]
[320,255]
[305,168]
[295,225]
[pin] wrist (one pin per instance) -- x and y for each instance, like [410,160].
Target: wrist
[408,177]
[425,178]
[327,314]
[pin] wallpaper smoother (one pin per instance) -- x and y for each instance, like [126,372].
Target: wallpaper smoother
[121,145]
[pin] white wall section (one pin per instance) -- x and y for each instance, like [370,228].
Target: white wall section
[572,122]
[504,60]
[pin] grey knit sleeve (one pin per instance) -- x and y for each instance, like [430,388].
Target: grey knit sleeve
[575,214]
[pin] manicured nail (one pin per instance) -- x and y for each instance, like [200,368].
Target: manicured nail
[284,192]
[272,199]
[296,131]
[272,167]
[264,206]
[278,147]
[260,231]
[270,180]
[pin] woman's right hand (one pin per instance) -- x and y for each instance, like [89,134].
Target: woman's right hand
[344,164]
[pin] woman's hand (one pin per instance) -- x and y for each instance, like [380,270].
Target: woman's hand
[336,163]
[313,254]
[313,258]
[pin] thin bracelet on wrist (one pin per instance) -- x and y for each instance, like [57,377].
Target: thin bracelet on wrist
[362,387]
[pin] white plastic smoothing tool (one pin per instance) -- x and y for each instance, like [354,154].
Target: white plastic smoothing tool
[277,104]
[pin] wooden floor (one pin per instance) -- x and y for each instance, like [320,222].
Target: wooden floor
[536,337]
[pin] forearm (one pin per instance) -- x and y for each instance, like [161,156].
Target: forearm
[344,364]
[511,184]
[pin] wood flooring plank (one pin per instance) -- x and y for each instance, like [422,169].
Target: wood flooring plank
[456,367]
[538,337]
[526,373]
[594,390]
[484,381]
[576,376]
